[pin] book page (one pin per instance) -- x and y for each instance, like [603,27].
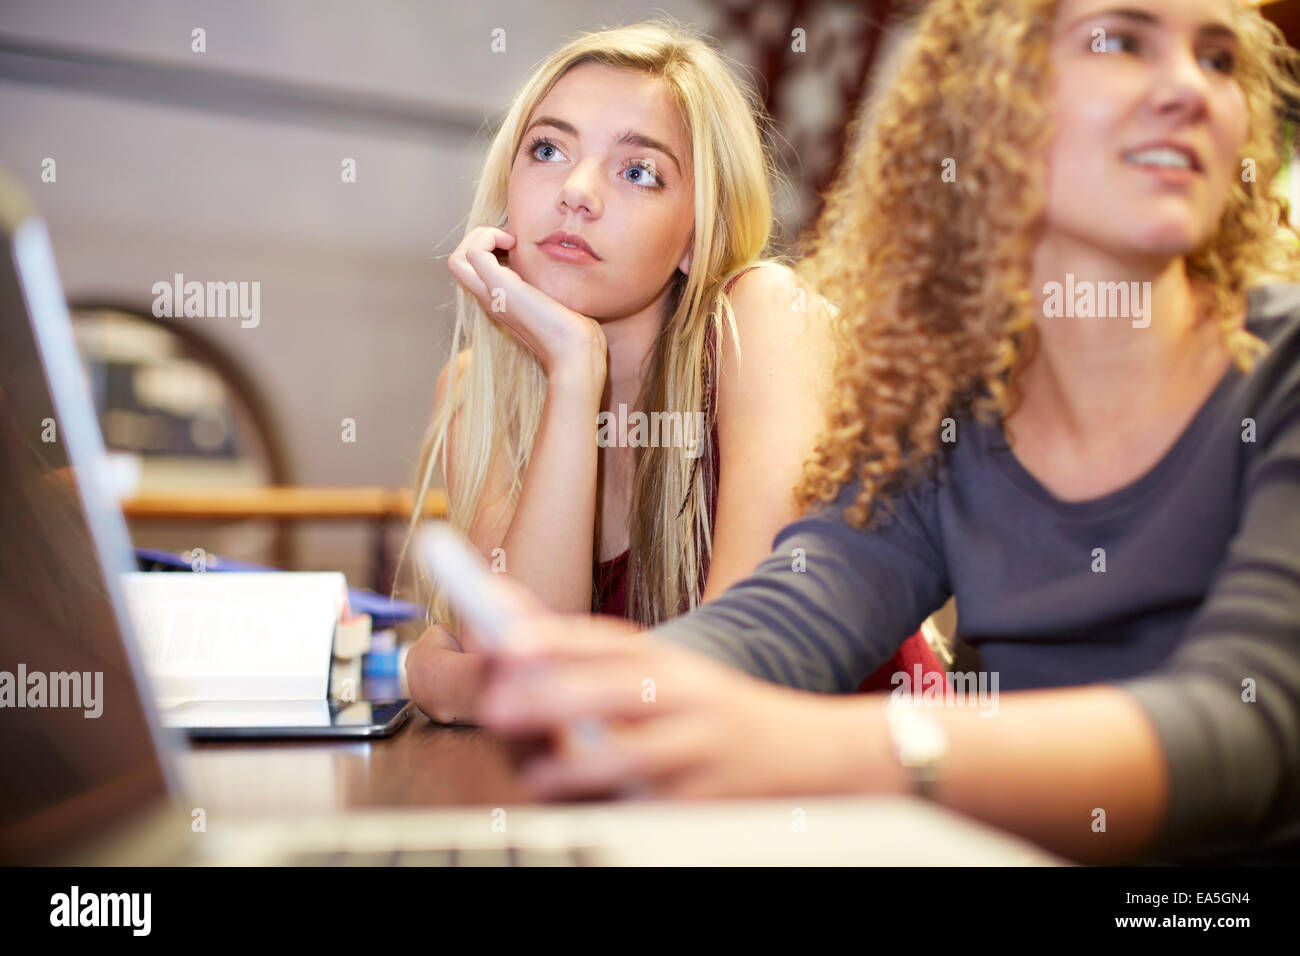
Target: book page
[228,636]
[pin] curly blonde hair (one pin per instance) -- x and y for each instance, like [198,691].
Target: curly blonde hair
[932,285]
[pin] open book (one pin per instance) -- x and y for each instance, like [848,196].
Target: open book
[242,636]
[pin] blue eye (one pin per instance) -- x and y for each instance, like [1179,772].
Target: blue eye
[543,150]
[641,172]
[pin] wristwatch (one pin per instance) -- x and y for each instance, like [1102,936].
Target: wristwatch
[920,744]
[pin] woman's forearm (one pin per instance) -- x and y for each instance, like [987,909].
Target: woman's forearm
[1080,772]
[548,545]
[442,679]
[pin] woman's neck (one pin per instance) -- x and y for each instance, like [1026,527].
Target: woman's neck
[1088,368]
[629,340]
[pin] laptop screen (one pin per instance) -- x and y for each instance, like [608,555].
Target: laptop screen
[78,749]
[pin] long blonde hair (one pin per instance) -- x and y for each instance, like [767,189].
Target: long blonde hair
[498,401]
[933,284]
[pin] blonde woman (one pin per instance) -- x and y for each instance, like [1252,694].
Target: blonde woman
[614,271]
[1117,507]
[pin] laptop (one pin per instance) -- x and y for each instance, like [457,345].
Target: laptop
[88,775]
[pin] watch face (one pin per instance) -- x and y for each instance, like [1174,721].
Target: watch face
[928,743]
[918,737]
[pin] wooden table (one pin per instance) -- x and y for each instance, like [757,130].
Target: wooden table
[422,765]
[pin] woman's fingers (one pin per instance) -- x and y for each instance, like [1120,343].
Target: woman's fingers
[503,239]
[513,601]
[484,239]
[509,299]
[547,327]
[530,697]
[545,636]
[598,772]
[469,280]
[741,743]
[487,238]
[561,339]
[554,669]
[496,278]
[632,759]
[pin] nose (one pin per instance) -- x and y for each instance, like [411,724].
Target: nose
[580,192]
[1181,88]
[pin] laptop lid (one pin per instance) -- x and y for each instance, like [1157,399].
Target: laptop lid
[80,749]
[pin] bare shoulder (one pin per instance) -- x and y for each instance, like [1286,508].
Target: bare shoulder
[779,355]
[765,284]
[771,303]
[777,317]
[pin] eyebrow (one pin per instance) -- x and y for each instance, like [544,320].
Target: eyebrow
[633,138]
[1216,28]
[628,138]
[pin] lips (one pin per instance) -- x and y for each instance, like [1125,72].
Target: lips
[561,242]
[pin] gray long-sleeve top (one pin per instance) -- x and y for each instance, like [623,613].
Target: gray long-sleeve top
[1196,613]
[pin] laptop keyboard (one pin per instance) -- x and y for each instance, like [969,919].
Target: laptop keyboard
[504,856]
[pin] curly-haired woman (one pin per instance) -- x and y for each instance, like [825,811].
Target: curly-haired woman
[1108,483]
